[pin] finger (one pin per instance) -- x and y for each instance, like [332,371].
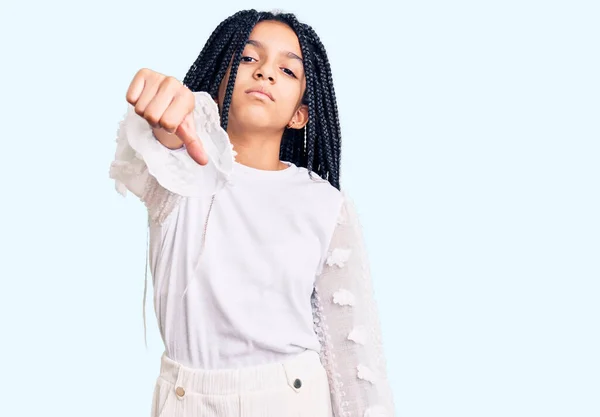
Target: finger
[197,152]
[160,103]
[150,89]
[187,133]
[192,142]
[136,87]
[177,111]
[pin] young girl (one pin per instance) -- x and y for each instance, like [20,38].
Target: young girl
[261,283]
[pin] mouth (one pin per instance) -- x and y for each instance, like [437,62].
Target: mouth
[258,92]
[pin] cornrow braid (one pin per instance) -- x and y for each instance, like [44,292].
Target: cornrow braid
[317,146]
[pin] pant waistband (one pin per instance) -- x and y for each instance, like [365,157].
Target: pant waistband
[293,372]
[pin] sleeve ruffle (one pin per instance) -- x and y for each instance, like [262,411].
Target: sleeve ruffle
[159,176]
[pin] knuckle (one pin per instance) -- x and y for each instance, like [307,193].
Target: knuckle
[154,77]
[188,122]
[168,124]
[143,73]
[172,81]
[190,100]
[173,85]
[151,117]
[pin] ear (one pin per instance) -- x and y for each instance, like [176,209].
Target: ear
[300,118]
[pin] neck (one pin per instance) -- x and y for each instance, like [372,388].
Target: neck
[258,149]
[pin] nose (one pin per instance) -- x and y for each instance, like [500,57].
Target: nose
[263,72]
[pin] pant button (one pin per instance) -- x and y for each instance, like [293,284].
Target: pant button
[180,392]
[297,384]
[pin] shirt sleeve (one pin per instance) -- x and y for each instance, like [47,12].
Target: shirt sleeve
[347,323]
[160,176]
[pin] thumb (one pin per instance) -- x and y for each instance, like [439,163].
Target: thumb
[186,132]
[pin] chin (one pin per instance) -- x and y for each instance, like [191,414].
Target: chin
[252,115]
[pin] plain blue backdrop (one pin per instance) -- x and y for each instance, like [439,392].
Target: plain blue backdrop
[471,148]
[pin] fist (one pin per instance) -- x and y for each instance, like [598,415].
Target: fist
[167,105]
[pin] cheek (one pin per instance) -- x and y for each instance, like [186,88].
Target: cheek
[293,94]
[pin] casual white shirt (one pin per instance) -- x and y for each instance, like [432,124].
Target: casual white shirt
[252,266]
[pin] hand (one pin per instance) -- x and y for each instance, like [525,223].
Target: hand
[167,105]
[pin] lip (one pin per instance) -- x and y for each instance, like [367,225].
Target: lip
[260,91]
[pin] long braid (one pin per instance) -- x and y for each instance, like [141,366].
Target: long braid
[325,102]
[322,151]
[329,96]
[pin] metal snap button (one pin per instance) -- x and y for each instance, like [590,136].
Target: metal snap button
[297,384]
[180,392]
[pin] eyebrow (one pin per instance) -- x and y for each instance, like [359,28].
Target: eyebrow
[261,46]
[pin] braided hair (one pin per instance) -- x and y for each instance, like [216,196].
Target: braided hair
[317,145]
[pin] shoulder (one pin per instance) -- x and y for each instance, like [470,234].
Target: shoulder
[320,200]
[319,190]
[341,207]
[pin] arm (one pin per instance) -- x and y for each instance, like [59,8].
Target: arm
[160,176]
[347,323]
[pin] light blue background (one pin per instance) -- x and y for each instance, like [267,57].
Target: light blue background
[471,147]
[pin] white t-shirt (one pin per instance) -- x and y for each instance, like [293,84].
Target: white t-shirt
[250,280]
[253,266]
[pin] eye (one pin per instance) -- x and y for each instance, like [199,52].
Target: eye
[289,72]
[247,59]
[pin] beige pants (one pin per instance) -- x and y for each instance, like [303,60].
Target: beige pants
[297,387]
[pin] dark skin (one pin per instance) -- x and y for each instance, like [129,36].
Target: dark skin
[271,66]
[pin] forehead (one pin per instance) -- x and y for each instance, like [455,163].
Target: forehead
[276,36]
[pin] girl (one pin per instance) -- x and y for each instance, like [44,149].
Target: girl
[261,284]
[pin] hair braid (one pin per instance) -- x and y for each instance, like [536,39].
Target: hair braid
[330,99]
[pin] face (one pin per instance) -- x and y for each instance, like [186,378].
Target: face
[270,81]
